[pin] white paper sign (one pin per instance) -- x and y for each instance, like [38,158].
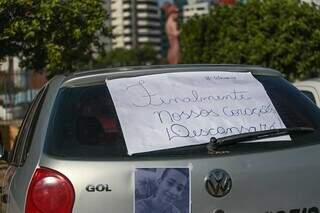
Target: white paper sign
[179,109]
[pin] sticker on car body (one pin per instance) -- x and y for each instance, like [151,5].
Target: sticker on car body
[297,210]
[162,190]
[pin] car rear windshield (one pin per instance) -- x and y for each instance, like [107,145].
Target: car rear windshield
[84,123]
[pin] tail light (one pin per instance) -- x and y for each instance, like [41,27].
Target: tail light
[49,192]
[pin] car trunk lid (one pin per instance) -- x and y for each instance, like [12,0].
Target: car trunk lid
[274,181]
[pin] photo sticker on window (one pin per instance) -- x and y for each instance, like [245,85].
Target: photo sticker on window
[162,190]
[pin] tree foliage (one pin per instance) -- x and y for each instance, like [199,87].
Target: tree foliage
[143,55]
[55,35]
[284,35]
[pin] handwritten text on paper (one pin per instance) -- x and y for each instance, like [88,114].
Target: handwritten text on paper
[180,109]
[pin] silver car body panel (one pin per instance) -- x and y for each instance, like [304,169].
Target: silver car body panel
[261,182]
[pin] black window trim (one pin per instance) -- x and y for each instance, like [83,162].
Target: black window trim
[26,131]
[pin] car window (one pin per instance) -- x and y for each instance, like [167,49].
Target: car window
[84,123]
[26,131]
[309,95]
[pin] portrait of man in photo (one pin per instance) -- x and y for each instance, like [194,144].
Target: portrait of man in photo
[162,190]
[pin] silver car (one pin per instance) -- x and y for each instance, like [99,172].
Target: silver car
[77,150]
[310,88]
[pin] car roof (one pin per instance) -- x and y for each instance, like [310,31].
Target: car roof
[92,76]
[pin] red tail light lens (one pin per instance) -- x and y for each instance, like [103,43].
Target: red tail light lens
[49,192]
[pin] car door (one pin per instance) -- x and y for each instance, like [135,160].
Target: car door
[22,143]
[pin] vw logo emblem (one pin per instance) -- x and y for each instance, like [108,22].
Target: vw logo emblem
[218,183]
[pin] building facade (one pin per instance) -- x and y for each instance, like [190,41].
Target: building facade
[316,2]
[196,8]
[17,88]
[135,23]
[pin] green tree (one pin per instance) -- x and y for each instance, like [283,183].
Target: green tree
[284,35]
[143,55]
[52,35]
